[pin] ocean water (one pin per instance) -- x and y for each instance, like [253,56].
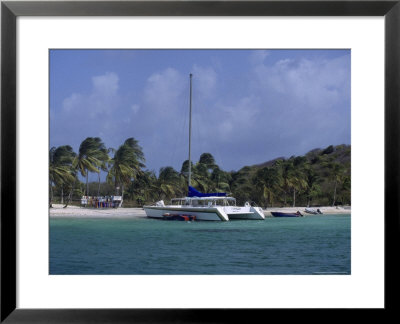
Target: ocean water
[303,245]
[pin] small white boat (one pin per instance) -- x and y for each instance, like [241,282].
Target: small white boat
[312,211]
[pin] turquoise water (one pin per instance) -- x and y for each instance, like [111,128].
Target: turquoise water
[302,245]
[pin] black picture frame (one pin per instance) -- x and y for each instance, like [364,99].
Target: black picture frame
[10,10]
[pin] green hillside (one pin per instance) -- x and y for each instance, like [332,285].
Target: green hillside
[320,177]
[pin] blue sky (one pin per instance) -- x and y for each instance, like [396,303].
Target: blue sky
[249,106]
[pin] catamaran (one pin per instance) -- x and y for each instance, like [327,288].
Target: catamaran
[203,206]
[213,207]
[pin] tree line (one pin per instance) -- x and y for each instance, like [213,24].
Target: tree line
[321,177]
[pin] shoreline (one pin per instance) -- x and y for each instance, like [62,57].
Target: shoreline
[57,211]
[326,210]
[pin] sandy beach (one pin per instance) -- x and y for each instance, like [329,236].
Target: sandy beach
[79,212]
[325,210]
[57,211]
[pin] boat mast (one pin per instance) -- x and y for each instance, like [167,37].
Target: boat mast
[190,129]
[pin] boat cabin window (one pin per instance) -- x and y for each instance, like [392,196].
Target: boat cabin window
[226,202]
[177,202]
[201,202]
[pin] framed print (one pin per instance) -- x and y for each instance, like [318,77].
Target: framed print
[68,82]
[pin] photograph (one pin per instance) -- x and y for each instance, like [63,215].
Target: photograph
[199,161]
[190,161]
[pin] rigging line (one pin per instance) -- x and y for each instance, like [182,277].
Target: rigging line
[179,135]
[197,140]
[211,143]
[202,139]
[178,140]
[183,132]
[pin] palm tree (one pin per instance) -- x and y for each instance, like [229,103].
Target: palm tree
[126,164]
[104,159]
[313,188]
[208,160]
[268,181]
[241,185]
[199,176]
[220,180]
[346,189]
[92,155]
[286,167]
[209,173]
[297,176]
[144,188]
[185,168]
[336,175]
[293,178]
[169,182]
[60,168]
[298,183]
[206,174]
[137,150]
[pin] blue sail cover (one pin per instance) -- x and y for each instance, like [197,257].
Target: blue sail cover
[194,193]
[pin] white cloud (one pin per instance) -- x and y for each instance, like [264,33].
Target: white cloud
[258,56]
[205,81]
[232,122]
[135,108]
[105,85]
[71,102]
[260,108]
[163,90]
[317,84]
[280,99]
[103,99]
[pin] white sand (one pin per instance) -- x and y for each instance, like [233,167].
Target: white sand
[324,210]
[78,212]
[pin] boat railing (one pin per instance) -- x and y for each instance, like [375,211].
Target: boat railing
[204,201]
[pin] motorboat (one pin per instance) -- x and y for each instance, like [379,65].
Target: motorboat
[280,214]
[312,211]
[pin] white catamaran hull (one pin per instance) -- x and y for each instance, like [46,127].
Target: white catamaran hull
[209,213]
[235,212]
